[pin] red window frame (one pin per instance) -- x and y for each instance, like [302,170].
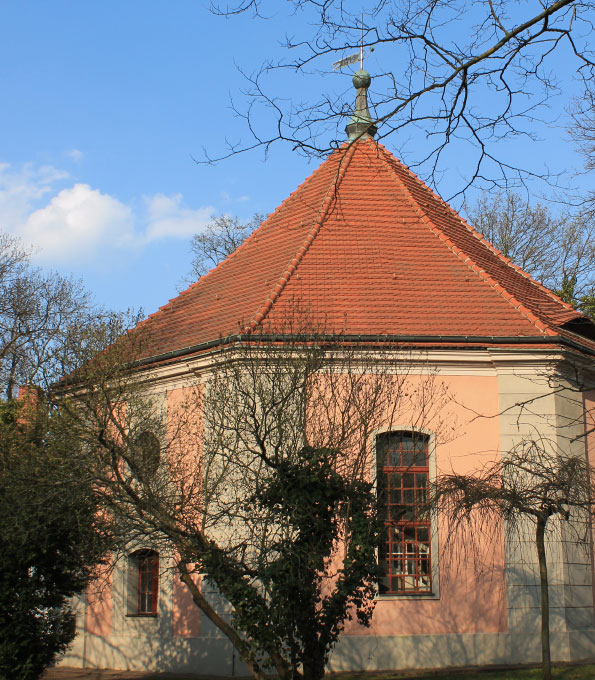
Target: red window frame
[148,582]
[402,484]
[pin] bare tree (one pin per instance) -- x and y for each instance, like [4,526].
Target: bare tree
[265,484]
[455,74]
[557,250]
[534,483]
[582,130]
[40,313]
[223,234]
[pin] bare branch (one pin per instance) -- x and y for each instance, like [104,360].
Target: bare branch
[465,74]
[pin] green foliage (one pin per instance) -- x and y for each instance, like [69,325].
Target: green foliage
[584,302]
[313,582]
[51,538]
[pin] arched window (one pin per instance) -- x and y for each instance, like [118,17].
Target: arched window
[143,583]
[402,486]
[147,453]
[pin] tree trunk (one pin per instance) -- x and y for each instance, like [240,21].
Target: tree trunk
[545,598]
[223,626]
[313,667]
[313,670]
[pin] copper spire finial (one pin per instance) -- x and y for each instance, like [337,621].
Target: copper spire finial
[361,125]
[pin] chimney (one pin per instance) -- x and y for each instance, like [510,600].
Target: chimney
[29,401]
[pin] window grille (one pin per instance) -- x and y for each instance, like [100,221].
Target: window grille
[402,485]
[147,564]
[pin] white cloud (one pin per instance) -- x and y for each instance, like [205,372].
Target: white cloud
[168,217]
[226,197]
[21,190]
[78,222]
[75,155]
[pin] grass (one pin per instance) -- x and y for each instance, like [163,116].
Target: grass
[559,673]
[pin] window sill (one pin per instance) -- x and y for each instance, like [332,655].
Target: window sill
[142,616]
[407,596]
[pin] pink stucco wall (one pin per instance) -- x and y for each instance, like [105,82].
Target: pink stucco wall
[471,568]
[99,606]
[186,616]
[471,577]
[184,405]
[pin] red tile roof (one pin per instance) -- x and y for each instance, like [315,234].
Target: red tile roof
[363,247]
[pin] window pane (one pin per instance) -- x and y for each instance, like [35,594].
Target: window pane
[402,466]
[384,585]
[393,458]
[398,584]
[408,458]
[408,514]
[409,533]
[411,550]
[421,459]
[396,497]
[394,479]
[148,581]
[406,439]
[421,443]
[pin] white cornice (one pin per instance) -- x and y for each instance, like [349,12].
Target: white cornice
[478,362]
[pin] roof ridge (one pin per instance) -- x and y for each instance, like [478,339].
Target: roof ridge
[324,209]
[200,281]
[463,256]
[478,235]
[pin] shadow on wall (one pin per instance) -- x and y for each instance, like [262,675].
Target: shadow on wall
[462,645]
[457,645]
[477,620]
[412,633]
[199,656]
[149,644]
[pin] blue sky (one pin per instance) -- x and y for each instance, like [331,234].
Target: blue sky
[104,106]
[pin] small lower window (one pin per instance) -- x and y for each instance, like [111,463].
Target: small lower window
[143,583]
[402,486]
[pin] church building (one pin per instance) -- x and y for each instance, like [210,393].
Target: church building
[375,255]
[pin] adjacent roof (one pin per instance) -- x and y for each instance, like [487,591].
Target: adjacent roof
[363,247]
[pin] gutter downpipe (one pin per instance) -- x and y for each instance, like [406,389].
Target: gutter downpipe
[86,604]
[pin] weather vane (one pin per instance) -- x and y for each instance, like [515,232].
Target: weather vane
[352,58]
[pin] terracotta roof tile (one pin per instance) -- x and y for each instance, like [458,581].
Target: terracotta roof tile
[366,248]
